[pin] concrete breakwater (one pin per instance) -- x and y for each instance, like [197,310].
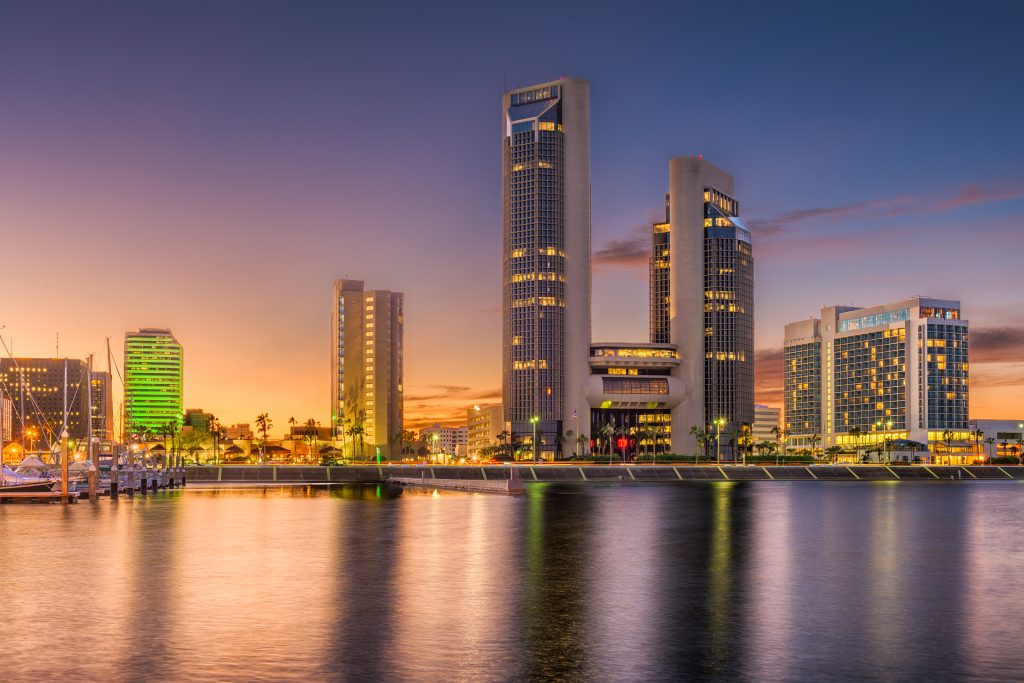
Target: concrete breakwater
[354,474]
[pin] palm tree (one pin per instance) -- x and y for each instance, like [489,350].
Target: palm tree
[833,453]
[1020,450]
[701,436]
[988,442]
[607,430]
[263,424]
[357,430]
[581,440]
[570,437]
[502,438]
[622,432]
[815,439]
[214,428]
[780,437]
[947,438]
[978,435]
[313,433]
[855,433]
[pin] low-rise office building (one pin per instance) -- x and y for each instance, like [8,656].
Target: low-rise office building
[484,425]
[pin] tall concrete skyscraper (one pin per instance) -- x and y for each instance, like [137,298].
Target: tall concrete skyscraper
[366,367]
[546,261]
[153,379]
[711,304]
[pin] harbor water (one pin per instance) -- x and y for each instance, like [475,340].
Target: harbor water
[766,581]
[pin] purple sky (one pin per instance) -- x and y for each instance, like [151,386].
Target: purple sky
[211,167]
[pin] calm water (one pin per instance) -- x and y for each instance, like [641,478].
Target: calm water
[719,581]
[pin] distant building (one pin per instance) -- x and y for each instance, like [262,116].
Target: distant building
[483,425]
[153,379]
[6,419]
[198,420]
[42,391]
[297,432]
[892,372]
[240,432]
[765,419]
[448,441]
[366,365]
[1006,435]
[102,405]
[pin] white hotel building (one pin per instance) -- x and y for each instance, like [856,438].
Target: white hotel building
[895,371]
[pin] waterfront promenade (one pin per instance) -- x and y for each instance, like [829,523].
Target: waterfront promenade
[595,474]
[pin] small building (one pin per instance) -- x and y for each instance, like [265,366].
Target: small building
[766,419]
[483,426]
[1006,435]
[443,439]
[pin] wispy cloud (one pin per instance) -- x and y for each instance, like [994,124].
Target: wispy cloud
[1001,344]
[632,251]
[444,403]
[972,194]
[768,227]
[968,195]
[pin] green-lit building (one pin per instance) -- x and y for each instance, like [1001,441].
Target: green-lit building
[153,379]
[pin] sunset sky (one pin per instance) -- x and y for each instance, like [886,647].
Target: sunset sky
[212,167]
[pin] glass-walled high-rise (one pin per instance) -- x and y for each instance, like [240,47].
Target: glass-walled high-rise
[728,316]
[659,287]
[153,380]
[546,262]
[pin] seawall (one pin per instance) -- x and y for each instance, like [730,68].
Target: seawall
[355,474]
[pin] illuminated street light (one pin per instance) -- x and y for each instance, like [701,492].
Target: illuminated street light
[718,439]
[534,420]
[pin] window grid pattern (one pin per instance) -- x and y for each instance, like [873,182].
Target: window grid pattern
[802,386]
[870,381]
[728,315]
[944,375]
[534,270]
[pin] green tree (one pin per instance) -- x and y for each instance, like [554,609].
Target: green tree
[833,453]
[193,443]
[988,442]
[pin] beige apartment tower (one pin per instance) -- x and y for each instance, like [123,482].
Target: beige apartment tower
[366,368]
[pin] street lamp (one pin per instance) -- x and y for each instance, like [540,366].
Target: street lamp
[885,427]
[435,437]
[534,420]
[718,440]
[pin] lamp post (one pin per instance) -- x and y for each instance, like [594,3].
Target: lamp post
[718,440]
[885,427]
[435,437]
[534,420]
